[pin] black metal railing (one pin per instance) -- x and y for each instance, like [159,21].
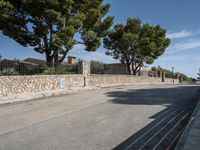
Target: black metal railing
[17,67]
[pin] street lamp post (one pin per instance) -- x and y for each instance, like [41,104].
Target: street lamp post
[173,74]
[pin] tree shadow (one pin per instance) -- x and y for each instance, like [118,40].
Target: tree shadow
[155,96]
[168,124]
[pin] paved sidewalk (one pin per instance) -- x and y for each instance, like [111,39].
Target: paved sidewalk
[190,140]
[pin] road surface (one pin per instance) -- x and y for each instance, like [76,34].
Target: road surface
[131,117]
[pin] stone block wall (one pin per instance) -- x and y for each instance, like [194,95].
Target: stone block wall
[171,81]
[121,69]
[33,84]
[115,69]
[109,80]
[84,68]
[11,85]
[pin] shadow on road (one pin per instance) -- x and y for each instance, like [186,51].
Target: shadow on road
[168,124]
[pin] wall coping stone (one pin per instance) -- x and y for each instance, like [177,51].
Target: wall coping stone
[121,75]
[60,75]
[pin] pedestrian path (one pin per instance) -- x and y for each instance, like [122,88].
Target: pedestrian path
[190,140]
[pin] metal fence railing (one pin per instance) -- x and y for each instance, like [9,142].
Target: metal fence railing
[17,67]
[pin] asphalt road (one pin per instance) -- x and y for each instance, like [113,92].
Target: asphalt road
[131,117]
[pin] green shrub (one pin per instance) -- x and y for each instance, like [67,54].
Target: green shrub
[97,67]
[9,72]
[68,69]
[23,70]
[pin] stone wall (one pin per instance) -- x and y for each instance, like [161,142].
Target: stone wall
[121,69]
[171,81]
[115,69]
[109,80]
[84,68]
[12,85]
[32,84]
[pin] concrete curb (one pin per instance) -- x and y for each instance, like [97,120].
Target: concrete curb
[190,140]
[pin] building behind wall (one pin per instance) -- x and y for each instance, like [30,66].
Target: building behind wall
[39,62]
[16,64]
[115,69]
[122,69]
[71,60]
[32,65]
[42,62]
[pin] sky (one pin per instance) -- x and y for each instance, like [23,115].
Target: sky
[180,18]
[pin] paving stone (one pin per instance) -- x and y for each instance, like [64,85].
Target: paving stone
[195,132]
[191,147]
[197,121]
[194,140]
[198,113]
[190,139]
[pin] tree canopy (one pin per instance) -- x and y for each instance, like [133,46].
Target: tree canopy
[53,27]
[135,43]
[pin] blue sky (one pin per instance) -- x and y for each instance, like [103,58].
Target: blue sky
[179,17]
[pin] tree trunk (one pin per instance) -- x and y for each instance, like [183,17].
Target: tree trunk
[134,70]
[128,68]
[53,60]
[49,60]
[55,63]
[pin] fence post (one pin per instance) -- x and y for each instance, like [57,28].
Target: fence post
[84,69]
[163,76]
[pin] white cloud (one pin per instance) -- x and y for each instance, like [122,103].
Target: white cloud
[189,44]
[184,45]
[181,34]
[173,58]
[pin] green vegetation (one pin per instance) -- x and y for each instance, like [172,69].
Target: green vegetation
[170,74]
[186,78]
[136,43]
[50,26]
[9,72]
[53,27]
[97,67]
[69,69]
